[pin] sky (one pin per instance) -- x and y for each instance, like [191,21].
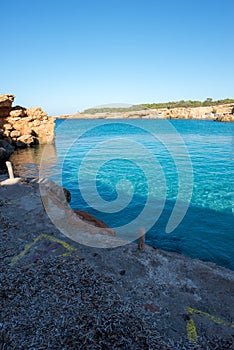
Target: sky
[66,56]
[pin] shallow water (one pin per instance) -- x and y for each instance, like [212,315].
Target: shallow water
[112,169]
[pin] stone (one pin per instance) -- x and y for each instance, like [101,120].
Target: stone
[40,128]
[4,112]
[5,104]
[225,118]
[6,150]
[6,100]
[8,126]
[6,133]
[23,126]
[36,123]
[20,144]
[3,154]
[15,133]
[28,140]
[67,194]
[35,113]
[8,139]
[18,113]
[45,131]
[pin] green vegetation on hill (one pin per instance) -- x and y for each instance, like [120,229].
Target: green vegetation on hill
[208,102]
[186,104]
[113,109]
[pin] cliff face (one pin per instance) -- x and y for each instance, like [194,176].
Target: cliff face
[217,113]
[21,127]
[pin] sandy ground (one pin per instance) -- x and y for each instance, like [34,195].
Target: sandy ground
[120,298]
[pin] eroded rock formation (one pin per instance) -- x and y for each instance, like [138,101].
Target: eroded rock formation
[21,127]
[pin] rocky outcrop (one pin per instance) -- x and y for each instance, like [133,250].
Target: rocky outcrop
[225,118]
[21,127]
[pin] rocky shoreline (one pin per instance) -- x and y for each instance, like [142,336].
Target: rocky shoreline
[57,293]
[21,127]
[220,113]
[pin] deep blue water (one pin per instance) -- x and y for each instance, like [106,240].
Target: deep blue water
[113,168]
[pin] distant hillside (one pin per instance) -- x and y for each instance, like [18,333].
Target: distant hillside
[113,109]
[209,102]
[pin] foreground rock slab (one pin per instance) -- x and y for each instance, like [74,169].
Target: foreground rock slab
[58,294]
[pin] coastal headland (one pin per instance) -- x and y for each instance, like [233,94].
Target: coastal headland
[220,113]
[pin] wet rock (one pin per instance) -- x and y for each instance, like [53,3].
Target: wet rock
[6,150]
[3,154]
[20,144]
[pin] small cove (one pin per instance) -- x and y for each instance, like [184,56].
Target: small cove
[206,231]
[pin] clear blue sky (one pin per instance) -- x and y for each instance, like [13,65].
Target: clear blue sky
[69,55]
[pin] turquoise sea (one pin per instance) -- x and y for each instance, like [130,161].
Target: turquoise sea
[140,170]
